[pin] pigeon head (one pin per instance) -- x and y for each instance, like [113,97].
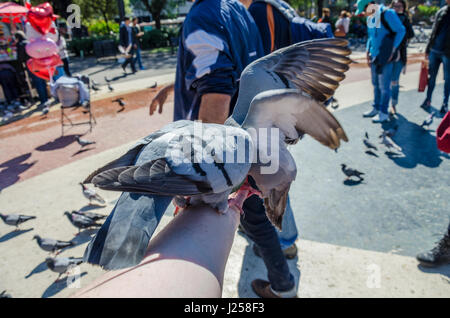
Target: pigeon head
[36,237]
[83,186]
[68,214]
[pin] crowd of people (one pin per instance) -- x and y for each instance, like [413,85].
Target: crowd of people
[17,82]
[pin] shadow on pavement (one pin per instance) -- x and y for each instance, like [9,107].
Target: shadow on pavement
[352,183]
[12,170]
[418,145]
[58,286]
[58,143]
[38,269]
[443,270]
[13,234]
[81,151]
[90,207]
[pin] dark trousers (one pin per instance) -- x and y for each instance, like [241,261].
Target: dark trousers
[9,84]
[259,229]
[130,61]
[66,67]
[41,87]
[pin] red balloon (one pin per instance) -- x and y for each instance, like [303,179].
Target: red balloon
[39,70]
[41,17]
[53,61]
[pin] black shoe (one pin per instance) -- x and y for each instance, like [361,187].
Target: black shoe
[289,252]
[439,255]
[263,290]
[426,104]
[444,109]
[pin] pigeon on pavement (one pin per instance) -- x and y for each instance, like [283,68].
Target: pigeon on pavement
[3,294]
[111,89]
[51,245]
[349,172]
[91,215]
[428,121]
[15,219]
[83,143]
[81,221]
[107,80]
[390,132]
[62,265]
[154,85]
[388,142]
[91,194]
[297,79]
[368,144]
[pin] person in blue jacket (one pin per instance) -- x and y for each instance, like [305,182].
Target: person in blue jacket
[219,38]
[385,34]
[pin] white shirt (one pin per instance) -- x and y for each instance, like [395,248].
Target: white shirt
[345,22]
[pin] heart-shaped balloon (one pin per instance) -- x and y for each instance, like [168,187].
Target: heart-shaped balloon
[40,70]
[52,61]
[41,17]
[41,48]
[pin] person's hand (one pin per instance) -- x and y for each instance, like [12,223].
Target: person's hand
[368,58]
[160,99]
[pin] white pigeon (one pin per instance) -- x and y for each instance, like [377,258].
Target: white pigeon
[388,142]
[91,194]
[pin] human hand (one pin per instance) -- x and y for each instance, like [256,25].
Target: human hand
[368,58]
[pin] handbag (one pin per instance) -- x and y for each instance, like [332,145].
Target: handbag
[443,134]
[423,77]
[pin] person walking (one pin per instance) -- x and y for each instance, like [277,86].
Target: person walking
[63,54]
[384,38]
[400,60]
[137,41]
[127,42]
[437,52]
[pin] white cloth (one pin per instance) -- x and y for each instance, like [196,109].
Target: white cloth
[345,22]
[65,81]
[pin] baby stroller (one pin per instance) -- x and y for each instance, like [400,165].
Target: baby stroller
[73,92]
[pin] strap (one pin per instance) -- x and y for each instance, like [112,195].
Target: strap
[385,24]
[271,23]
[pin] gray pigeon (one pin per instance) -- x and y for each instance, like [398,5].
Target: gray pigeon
[297,79]
[111,89]
[83,143]
[388,142]
[91,194]
[428,121]
[62,265]
[367,143]
[81,221]
[91,215]
[51,245]
[349,172]
[3,294]
[15,219]
[390,132]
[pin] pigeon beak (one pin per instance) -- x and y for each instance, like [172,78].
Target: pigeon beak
[275,204]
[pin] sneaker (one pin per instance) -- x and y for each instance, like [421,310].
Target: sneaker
[380,118]
[371,113]
[262,289]
[45,110]
[393,109]
[426,104]
[439,255]
[289,252]
[444,109]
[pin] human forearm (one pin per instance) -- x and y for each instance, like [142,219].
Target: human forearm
[214,108]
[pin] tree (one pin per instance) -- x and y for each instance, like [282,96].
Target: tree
[92,8]
[155,7]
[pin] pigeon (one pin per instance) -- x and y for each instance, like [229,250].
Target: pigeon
[111,89]
[349,172]
[83,143]
[150,178]
[107,80]
[388,142]
[95,88]
[390,132]
[428,121]
[368,144]
[91,194]
[3,294]
[371,153]
[154,85]
[81,221]
[91,215]
[62,265]
[119,101]
[94,82]
[51,245]
[15,219]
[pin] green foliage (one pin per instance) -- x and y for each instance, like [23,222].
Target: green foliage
[99,27]
[427,11]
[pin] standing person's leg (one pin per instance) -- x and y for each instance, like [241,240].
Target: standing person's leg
[5,79]
[289,234]
[433,68]
[446,63]
[384,83]
[395,83]
[376,93]
[66,67]
[262,232]
[139,58]
[41,87]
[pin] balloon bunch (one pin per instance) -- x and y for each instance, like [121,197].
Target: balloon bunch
[42,48]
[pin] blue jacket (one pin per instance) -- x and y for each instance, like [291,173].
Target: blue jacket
[218,40]
[377,31]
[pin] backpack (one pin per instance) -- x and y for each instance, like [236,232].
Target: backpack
[386,46]
[301,29]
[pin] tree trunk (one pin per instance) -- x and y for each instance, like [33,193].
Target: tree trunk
[319,8]
[106,20]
